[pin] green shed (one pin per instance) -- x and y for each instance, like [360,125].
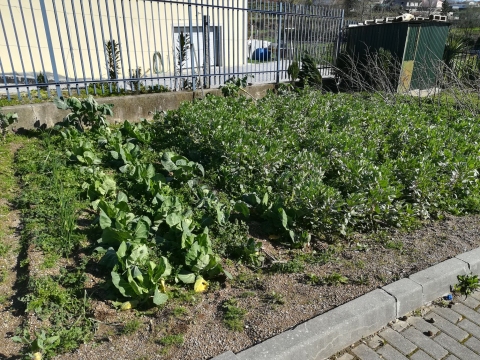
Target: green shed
[416,45]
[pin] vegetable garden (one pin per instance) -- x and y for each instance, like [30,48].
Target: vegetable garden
[162,205]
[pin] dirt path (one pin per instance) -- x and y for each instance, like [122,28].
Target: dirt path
[11,282]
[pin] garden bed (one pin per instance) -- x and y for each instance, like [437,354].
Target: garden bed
[286,207]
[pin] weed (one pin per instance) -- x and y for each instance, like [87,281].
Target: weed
[5,121]
[180,311]
[361,247]
[360,264]
[131,326]
[247,294]
[3,275]
[171,340]
[362,280]
[189,296]
[4,249]
[233,315]
[50,260]
[396,245]
[24,263]
[467,284]
[335,279]
[313,279]
[289,267]
[275,298]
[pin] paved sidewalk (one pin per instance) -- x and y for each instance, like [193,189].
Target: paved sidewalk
[447,333]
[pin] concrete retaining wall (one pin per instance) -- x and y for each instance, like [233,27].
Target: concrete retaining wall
[131,107]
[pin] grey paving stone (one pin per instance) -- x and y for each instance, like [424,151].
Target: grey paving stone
[476,295]
[363,352]
[399,325]
[389,353]
[447,327]
[407,293]
[375,342]
[451,357]
[436,280]
[456,348]
[425,343]
[225,356]
[470,327]
[448,314]
[345,356]
[473,344]
[469,301]
[421,325]
[420,355]
[470,314]
[398,341]
[472,258]
[328,333]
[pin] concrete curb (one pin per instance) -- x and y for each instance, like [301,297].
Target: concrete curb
[130,107]
[326,334]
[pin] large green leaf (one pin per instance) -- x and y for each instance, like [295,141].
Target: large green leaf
[242,208]
[141,230]
[122,197]
[283,218]
[150,171]
[159,298]
[110,259]
[105,221]
[186,277]
[139,290]
[173,219]
[139,254]
[192,254]
[113,237]
[122,285]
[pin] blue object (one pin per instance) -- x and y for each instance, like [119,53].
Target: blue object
[261,54]
[448,297]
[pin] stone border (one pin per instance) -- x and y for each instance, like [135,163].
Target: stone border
[125,107]
[331,332]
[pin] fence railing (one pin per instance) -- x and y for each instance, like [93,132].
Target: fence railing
[108,46]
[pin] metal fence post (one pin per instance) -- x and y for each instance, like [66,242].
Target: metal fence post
[192,53]
[279,41]
[206,51]
[339,38]
[50,47]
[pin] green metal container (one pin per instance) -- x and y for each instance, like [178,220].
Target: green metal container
[416,45]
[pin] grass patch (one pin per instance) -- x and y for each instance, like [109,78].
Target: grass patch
[180,311]
[172,340]
[233,315]
[131,327]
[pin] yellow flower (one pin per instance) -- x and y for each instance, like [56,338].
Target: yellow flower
[163,287]
[200,285]
[127,305]
[37,356]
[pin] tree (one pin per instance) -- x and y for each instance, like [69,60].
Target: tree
[446,8]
